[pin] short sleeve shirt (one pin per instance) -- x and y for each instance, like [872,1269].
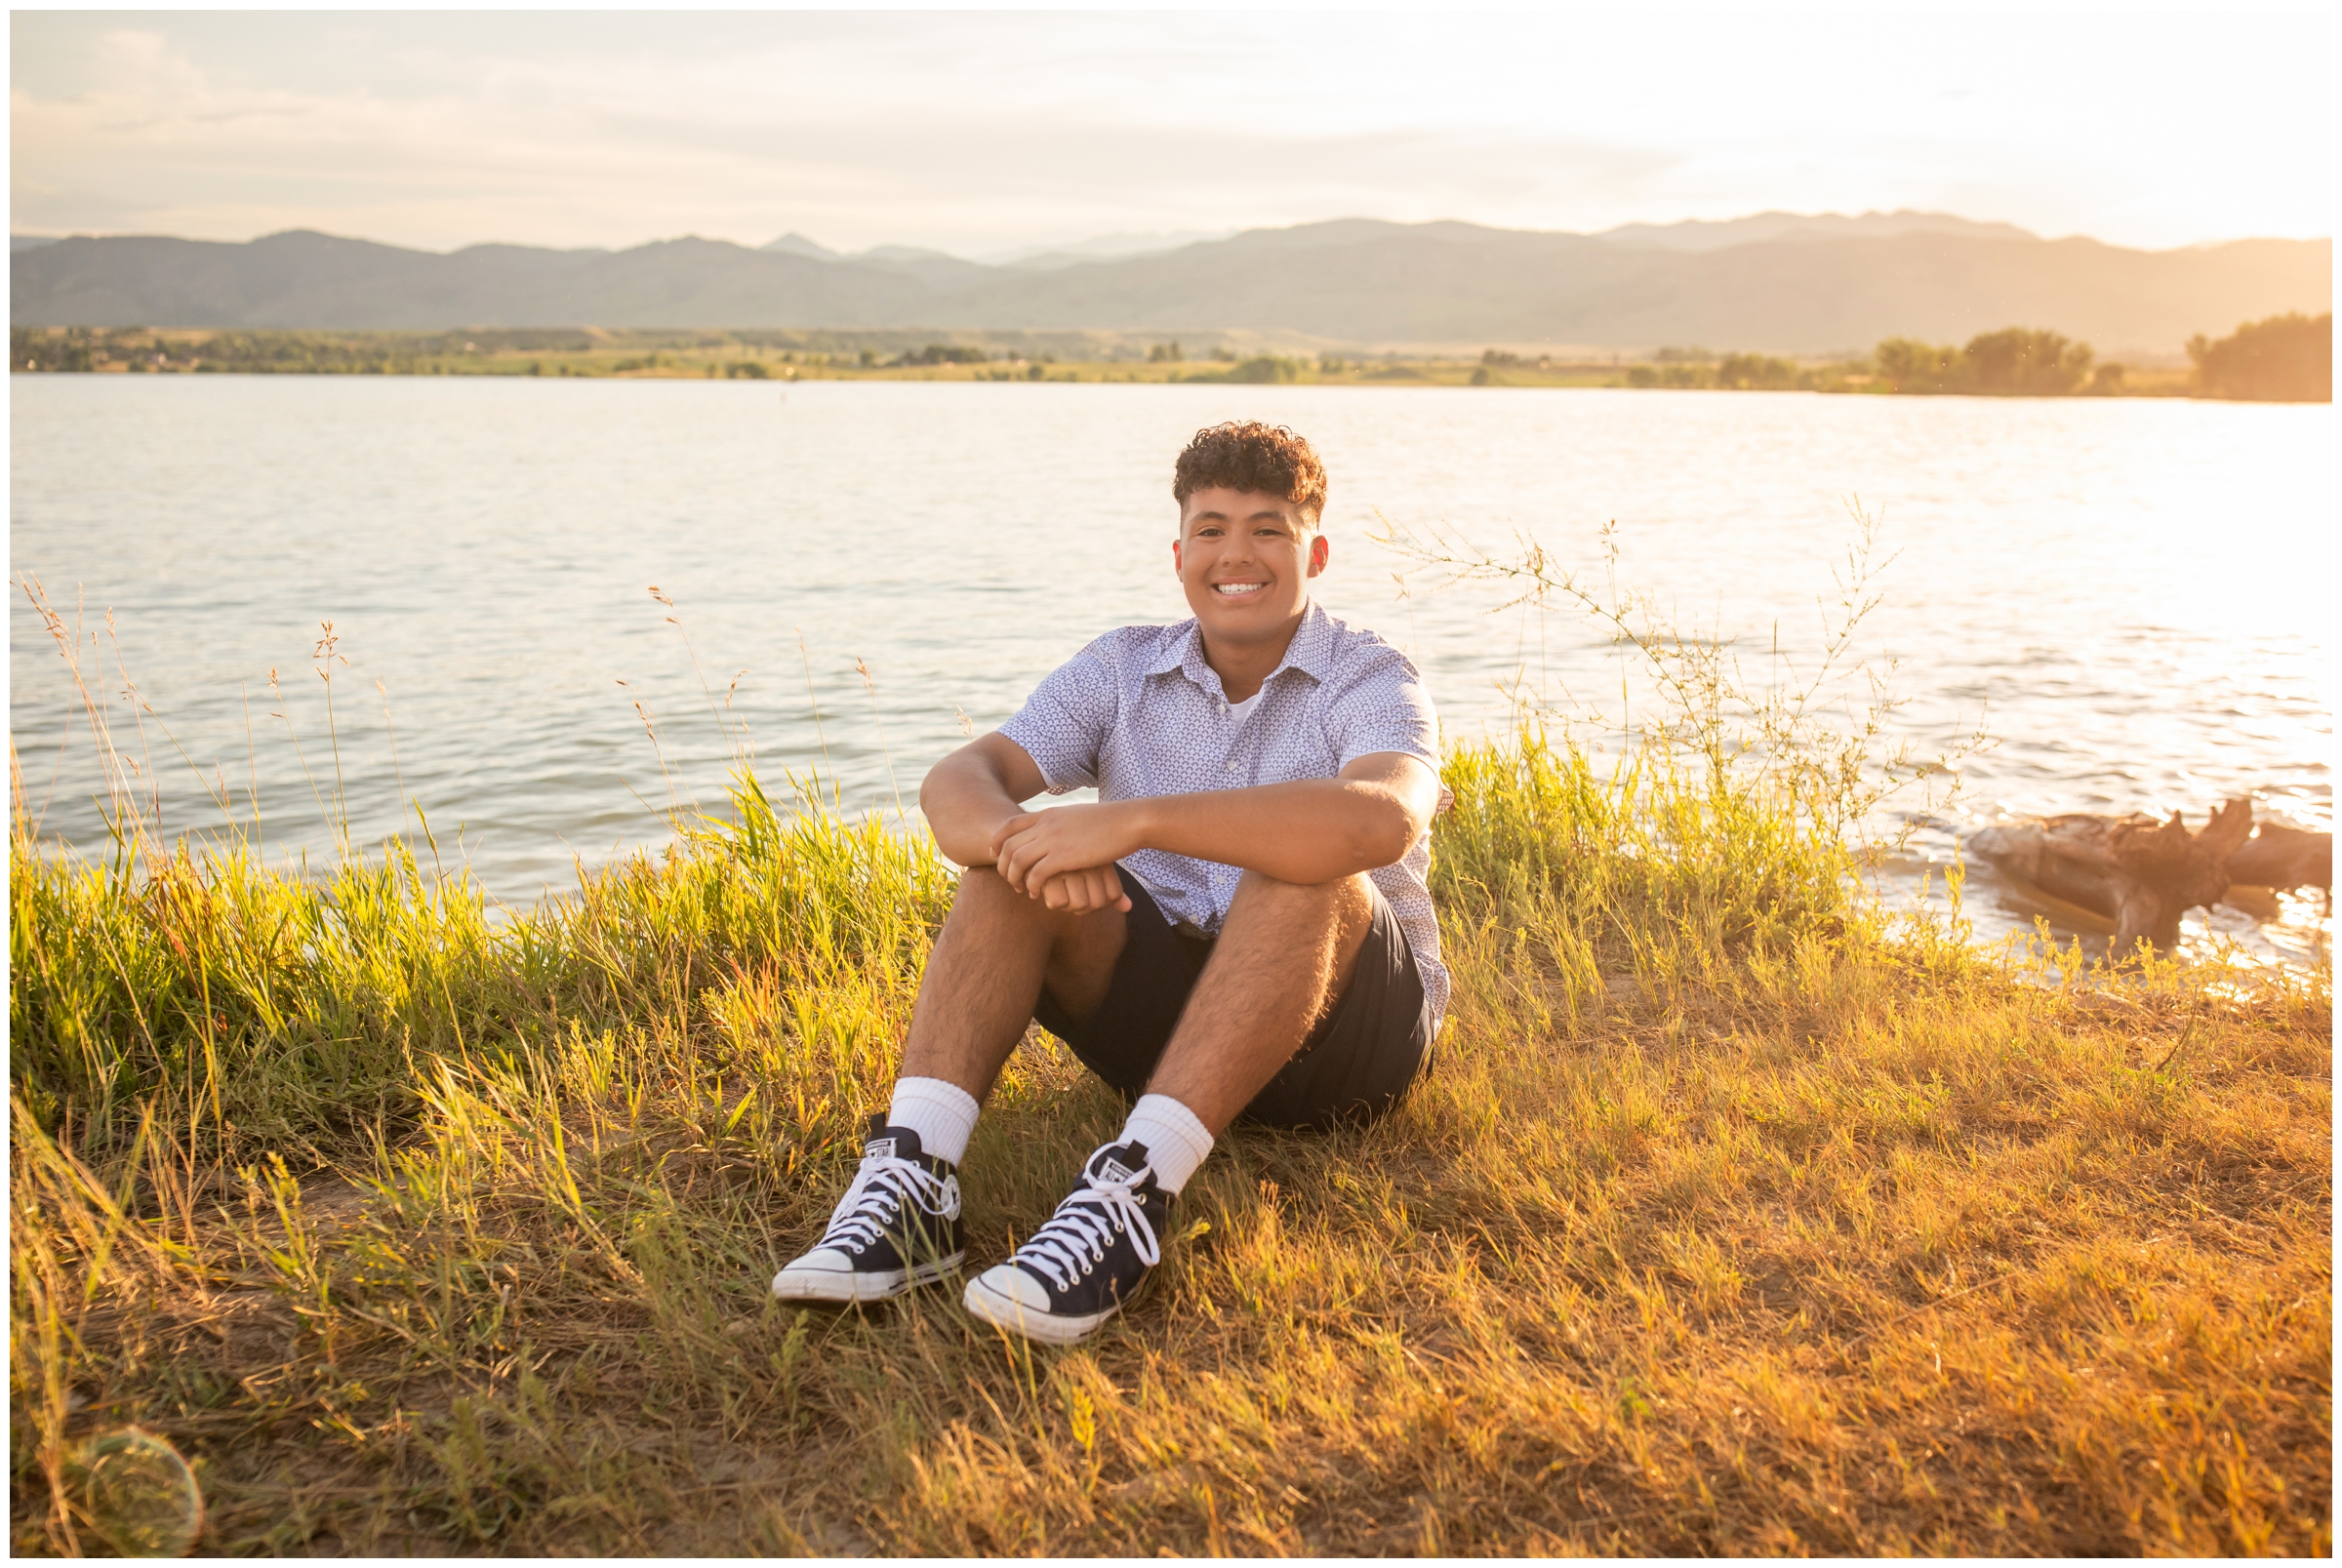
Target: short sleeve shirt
[1138,713]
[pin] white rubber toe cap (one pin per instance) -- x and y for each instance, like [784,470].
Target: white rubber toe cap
[1010,1286]
[1009,1298]
[827,1275]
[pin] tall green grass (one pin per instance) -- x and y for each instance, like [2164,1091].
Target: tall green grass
[250,1008]
[253,1008]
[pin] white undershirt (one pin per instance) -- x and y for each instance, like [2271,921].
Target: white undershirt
[1237,710]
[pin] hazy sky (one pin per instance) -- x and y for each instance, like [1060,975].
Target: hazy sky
[978,132]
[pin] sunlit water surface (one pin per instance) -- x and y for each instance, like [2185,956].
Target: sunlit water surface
[2133,596]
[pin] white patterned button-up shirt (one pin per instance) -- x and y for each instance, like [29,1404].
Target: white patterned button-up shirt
[1138,713]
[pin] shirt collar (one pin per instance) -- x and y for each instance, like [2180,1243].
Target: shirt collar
[1176,650]
[1310,651]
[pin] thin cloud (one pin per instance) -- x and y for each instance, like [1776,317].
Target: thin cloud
[977,133]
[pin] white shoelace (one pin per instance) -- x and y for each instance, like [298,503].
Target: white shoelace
[1076,1236]
[879,1190]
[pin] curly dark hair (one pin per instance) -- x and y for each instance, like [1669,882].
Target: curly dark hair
[1246,455]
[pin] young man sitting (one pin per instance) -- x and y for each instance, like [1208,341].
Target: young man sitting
[1239,925]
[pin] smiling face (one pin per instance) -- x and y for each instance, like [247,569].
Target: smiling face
[1245,560]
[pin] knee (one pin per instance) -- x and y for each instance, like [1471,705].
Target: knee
[1262,885]
[986,892]
[980,882]
[1347,899]
[985,895]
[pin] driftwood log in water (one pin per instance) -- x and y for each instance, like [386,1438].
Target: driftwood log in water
[2135,871]
[2281,859]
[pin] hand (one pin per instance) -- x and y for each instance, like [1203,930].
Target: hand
[1086,892]
[1032,849]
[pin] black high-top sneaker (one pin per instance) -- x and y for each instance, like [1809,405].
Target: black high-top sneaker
[897,1227]
[1085,1264]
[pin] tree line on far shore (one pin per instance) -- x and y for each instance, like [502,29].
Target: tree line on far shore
[2287,358]
[2020,360]
[2284,359]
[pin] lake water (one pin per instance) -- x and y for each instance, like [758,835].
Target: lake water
[2136,596]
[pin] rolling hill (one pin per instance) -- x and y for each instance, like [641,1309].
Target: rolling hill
[1775,282]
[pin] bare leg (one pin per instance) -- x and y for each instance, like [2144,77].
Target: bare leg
[1284,955]
[996,950]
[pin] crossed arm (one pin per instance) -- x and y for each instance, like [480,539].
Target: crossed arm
[1309,831]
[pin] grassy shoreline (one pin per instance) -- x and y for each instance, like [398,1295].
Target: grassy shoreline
[1729,1221]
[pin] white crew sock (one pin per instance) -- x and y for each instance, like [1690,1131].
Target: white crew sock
[940,1112]
[1176,1142]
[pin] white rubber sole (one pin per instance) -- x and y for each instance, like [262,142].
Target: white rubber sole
[1006,1312]
[840,1288]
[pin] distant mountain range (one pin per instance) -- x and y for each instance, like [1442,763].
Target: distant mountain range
[1777,282]
[1030,258]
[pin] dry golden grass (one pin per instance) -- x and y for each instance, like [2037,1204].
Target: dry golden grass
[1724,1223]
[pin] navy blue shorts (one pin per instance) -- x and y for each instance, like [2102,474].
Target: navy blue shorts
[1356,1063]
